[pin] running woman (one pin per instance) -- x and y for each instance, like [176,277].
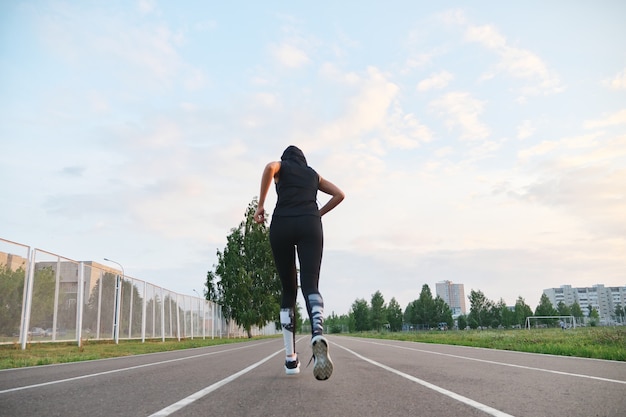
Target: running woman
[296,227]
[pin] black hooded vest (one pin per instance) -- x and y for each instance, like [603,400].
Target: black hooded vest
[297,186]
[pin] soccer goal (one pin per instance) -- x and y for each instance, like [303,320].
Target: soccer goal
[565,322]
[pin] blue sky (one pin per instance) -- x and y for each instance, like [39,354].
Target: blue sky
[478,143]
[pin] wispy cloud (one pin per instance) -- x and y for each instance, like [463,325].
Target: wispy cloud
[289,55]
[618,82]
[517,62]
[461,111]
[435,81]
[525,130]
[613,119]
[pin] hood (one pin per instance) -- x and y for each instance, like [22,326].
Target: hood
[293,153]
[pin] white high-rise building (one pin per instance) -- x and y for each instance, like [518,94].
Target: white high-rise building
[453,295]
[603,299]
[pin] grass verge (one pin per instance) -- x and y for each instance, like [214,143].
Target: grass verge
[588,342]
[12,356]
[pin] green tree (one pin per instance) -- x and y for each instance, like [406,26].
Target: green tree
[11,294]
[480,310]
[521,312]
[360,315]
[563,309]
[98,315]
[378,316]
[545,308]
[425,308]
[462,322]
[337,324]
[394,315]
[42,309]
[410,315]
[248,288]
[576,311]
[442,312]
[619,313]
[594,316]
[502,315]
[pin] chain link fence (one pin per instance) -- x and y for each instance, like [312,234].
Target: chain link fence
[45,297]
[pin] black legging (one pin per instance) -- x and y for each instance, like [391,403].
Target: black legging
[304,234]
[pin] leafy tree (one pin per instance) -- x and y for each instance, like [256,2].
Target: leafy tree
[42,309]
[442,312]
[378,314]
[360,315]
[410,315]
[545,307]
[576,311]
[619,313]
[101,306]
[394,315]
[248,288]
[424,309]
[337,324]
[502,315]
[563,309]
[594,316]
[426,312]
[480,310]
[521,312]
[11,294]
[462,322]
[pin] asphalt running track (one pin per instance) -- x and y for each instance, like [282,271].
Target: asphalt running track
[371,378]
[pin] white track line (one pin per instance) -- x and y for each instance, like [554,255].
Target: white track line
[60,381]
[203,392]
[530,368]
[480,406]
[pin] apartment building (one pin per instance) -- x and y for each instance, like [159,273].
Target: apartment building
[453,295]
[603,299]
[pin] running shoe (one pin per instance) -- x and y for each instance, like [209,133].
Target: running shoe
[322,365]
[292,367]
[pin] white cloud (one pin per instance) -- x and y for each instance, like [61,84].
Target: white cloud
[487,35]
[618,82]
[517,62]
[289,55]
[365,112]
[462,111]
[566,144]
[525,130]
[435,81]
[583,176]
[146,6]
[617,118]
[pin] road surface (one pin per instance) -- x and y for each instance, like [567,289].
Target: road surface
[371,378]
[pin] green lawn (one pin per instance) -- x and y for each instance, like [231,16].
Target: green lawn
[588,342]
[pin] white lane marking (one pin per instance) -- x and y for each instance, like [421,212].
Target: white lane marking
[206,391]
[468,401]
[76,378]
[530,368]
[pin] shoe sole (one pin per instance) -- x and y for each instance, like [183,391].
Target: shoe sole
[292,371]
[323,366]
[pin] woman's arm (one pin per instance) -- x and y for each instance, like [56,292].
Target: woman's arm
[331,189]
[269,173]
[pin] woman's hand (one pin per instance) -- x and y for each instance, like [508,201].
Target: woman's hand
[259,215]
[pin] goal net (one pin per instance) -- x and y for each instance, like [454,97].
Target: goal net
[565,322]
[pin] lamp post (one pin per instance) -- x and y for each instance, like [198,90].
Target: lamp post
[118,302]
